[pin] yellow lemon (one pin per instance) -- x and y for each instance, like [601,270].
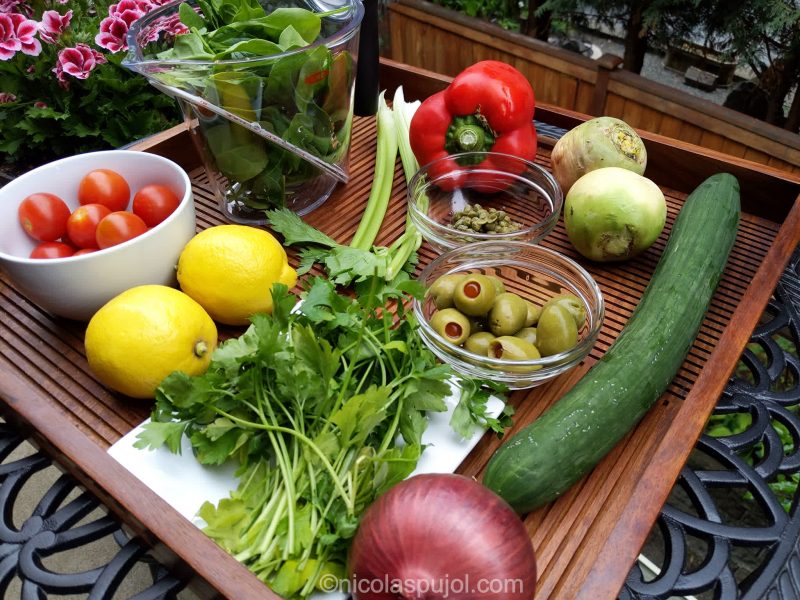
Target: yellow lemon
[230,269]
[145,333]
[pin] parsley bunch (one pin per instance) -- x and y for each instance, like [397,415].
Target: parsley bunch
[323,404]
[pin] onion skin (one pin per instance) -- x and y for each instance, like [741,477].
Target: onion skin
[434,535]
[597,143]
[613,214]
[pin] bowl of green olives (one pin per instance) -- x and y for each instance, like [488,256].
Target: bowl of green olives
[483,196]
[510,312]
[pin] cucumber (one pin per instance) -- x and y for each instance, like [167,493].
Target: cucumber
[548,456]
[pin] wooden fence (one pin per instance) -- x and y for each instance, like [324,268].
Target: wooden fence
[444,41]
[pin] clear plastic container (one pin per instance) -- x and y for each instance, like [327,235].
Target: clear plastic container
[272,130]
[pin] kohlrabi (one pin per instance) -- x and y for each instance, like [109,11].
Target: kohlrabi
[613,214]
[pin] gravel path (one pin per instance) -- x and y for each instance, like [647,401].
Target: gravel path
[654,69]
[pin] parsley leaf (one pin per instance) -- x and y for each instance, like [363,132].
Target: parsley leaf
[296,231]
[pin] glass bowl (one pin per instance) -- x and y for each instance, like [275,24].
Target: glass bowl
[536,274]
[527,194]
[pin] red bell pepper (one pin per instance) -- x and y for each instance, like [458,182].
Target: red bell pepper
[487,107]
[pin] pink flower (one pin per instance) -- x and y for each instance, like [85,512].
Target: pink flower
[113,32]
[6,97]
[129,10]
[78,62]
[8,6]
[39,104]
[16,33]
[114,28]
[53,25]
[170,26]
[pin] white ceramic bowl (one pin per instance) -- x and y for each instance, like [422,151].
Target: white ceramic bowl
[75,287]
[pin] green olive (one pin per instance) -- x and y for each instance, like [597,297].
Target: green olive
[451,325]
[474,295]
[499,286]
[556,331]
[532,318]
[508,314]
[573,304]
[528,334]
[513,348]
[476,325]
[442,289]
[478,343]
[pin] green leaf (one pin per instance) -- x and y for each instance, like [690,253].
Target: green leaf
[345,264]
[296,231]
[412,425]
[470,412]
[427,394]
[283,304]
[359,415]
[188,46]
[239,157]
[290,38]
[306,23]
[249,48]
[225,522]
[244,10]
[154,435]
[212,446]
[190,18]
[292,576]
[394,466]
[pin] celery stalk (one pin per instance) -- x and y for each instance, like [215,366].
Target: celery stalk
[403,113]
[381,189]
[408,243]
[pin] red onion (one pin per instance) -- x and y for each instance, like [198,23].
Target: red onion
[441,536]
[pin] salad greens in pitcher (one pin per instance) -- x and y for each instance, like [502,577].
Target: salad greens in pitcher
[264,67]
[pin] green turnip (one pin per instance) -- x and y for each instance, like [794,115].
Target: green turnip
[595,144]
[613,214]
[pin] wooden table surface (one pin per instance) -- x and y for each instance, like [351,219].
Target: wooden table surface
[587,540]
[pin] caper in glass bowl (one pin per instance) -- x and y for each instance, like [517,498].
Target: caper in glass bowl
[483,196]
[543,319]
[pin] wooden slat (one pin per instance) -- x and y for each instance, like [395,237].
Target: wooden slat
[587,539]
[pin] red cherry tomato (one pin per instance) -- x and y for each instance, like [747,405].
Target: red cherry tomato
[154,203]
[106,187]
[118,227]
[52,250]
[43,216]
[83,251]
[82,224]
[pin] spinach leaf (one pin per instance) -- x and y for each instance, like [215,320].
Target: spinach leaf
[239,154]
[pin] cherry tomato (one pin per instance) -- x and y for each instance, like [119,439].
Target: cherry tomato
[52,250]
[82,224]
[43,216]
[154,203]
[106,187]
[83,251]
[118,227]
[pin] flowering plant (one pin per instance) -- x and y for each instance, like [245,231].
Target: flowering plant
[62,87]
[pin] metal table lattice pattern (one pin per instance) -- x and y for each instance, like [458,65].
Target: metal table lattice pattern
[707,549]
[64,519]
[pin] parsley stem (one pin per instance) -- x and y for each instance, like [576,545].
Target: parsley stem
[311,445]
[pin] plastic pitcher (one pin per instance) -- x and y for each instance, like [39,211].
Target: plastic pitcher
[273,130]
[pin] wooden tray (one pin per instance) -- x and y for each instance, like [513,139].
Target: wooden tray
[587,540]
